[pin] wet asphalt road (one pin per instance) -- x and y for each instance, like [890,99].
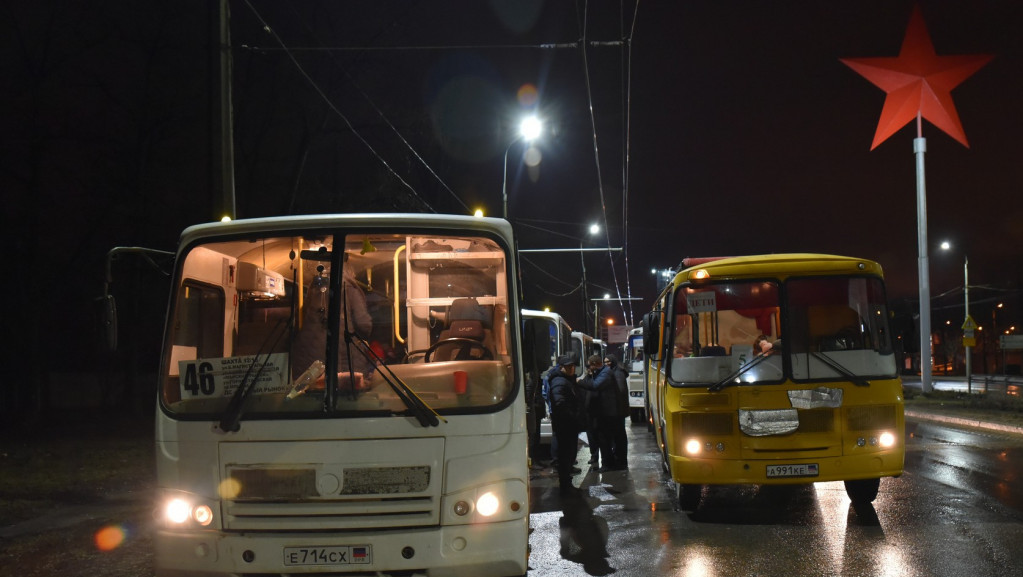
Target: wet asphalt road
[957,511]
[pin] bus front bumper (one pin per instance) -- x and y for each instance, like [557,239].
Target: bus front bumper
[781,471]
[456,551]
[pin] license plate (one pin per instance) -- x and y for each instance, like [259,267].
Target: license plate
[804,470]
[341,555]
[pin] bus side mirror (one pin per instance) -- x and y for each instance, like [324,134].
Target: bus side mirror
[652,335]
[108,321]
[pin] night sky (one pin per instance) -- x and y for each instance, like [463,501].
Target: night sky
[743,134]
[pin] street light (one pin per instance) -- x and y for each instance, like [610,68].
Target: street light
[968,324]
[529,129]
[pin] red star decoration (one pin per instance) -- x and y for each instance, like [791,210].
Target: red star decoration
[918,81]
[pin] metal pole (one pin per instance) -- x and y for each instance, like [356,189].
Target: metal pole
[919,148]
[225,113]
[504,179]
[966,297]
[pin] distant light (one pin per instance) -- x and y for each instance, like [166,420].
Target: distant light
[606,296]
[594,228]
[945,245]
[530,128]
[546,309]
[610,321]
[225,218]
[478,213]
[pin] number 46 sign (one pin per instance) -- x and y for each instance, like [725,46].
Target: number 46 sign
[206,378]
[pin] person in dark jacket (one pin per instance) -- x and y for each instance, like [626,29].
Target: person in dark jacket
[599,383]
[565,413]
[619,439]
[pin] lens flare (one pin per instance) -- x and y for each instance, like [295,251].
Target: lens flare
[109,538]
[528,95]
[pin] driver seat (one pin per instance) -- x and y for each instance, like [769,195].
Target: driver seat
[461,351]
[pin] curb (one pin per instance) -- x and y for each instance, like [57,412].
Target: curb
[965,422]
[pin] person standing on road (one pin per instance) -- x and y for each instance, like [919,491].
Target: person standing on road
[619,439]
[600,385]
[566,411]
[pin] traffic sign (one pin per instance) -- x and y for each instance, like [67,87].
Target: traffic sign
[969,324]
[1011,342]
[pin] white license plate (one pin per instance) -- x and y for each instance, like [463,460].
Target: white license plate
[804,470]
[342,555]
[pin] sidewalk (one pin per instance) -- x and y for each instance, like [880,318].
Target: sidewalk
[954,413]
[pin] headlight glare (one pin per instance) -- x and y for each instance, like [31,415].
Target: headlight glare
[693,446]
[487,504]
[887,439]
[177,511]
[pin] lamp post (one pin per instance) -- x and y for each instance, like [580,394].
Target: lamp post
[969,326]
[529,130]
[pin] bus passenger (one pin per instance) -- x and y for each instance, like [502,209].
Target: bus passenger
[566,411]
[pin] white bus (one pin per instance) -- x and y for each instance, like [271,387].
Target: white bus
[546,336]
[634,363]
[343,394]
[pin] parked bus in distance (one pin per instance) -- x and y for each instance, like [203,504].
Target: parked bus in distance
[343,394]
[582,344]
[633,363]
[545,337]
[776,369]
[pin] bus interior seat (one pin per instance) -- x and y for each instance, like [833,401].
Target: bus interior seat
[461,351]
[466,319]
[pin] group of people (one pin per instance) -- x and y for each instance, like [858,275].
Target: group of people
[596,403]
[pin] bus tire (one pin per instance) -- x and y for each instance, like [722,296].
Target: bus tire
[688,496]
[862,491]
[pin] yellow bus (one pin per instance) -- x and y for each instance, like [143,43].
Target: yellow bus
[775,369]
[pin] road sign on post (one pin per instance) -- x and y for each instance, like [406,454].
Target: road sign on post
[1011,342]
[969,332]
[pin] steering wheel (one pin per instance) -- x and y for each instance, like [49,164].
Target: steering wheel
[473,344]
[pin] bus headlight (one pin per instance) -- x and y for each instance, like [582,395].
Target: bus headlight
[177,511]
[488,504]
[493,502]
[693,446]
[181,511]
[886,440]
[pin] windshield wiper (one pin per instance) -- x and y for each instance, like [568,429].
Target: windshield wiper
[229,422]
[738,372]
[838,368]
[423,412]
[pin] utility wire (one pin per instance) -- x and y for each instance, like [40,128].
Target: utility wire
[383,117]
[319,91]
[627,113]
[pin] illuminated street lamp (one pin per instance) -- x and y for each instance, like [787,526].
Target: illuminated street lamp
[968,325]
[529,130]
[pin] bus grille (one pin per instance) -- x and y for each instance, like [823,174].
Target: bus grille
[289,499]
[870,418]
[704,423]
[816,421]
[326,485]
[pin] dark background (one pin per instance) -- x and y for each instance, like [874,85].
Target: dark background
[691,128]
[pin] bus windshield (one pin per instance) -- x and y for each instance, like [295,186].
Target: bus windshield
[767,331]
[346,324]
